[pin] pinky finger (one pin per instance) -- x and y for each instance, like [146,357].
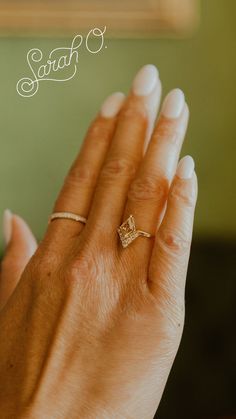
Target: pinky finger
[169,260]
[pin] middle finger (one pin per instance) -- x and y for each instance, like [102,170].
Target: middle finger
[126,152]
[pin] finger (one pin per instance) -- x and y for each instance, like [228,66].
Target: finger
[126,151]
[77,191]
[169,260]
[149,190]
[21,245]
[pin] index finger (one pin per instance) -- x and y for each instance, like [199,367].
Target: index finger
[77,191]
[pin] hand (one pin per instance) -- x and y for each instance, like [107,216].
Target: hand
[92,329]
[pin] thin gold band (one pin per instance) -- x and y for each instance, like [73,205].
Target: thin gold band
[144,233]
[68,215]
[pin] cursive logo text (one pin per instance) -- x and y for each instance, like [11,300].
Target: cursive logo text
[60,61]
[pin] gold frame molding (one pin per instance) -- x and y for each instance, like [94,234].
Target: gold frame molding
[133,18]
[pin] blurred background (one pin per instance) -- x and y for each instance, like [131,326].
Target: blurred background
[193,45]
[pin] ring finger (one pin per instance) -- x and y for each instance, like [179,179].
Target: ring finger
[148,192]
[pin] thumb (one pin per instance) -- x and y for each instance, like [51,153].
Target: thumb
[20,246]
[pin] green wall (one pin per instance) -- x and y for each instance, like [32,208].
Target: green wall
[41,135]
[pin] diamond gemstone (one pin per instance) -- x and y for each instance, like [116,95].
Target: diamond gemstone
[127,231]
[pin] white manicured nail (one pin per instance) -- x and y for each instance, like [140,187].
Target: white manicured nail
[145,80]
[173,104]
[112,105]
[185,168]
[7,225]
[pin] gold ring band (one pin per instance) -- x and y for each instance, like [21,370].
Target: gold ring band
[144,233]
[68,215]
[128,232]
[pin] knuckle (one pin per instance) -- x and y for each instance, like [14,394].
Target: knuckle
[118,167]
[80,173]
[134,113]
[166,130]
[185,196]
[148,188]
[83,269]
[78,269]
[173,242]
[99,130]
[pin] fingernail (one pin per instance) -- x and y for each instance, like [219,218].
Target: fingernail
[185,168]
[145,80]
[7,225]
[112,105]
[173,104]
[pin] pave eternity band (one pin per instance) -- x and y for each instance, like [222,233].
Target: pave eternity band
[69,216]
